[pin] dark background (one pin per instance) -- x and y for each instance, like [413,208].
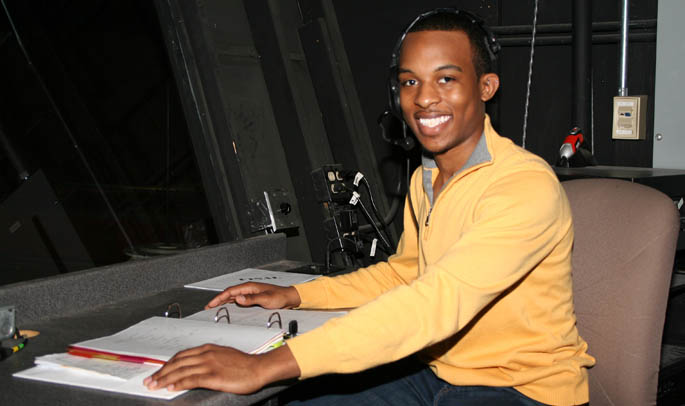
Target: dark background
[371,30]
[102,109]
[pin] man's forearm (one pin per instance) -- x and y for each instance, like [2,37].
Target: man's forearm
[277,365]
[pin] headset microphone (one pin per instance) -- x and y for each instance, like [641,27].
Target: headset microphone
[406,142]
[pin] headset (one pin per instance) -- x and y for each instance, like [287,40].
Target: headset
[491,45]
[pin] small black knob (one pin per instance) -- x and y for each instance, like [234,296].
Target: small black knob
[285,208]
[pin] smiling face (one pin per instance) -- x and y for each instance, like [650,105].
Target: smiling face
[442,99]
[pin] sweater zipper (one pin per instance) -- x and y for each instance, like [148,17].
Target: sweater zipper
[430,211]
[428,217]
[427,229]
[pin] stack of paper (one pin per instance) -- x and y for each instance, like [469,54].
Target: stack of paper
[112,376]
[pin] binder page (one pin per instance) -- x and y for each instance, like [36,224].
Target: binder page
[85,379]
[115,369]
[257,316]
[220,283]
[161,337]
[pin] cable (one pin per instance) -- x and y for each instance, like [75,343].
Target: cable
[331,212]
[66,126]
[368,238]
[592,114]
[395,203]
[530,74]
[404,133]
[373,204]
[167,158]
[356,199]
[373,223]
[376,211]
[392,212]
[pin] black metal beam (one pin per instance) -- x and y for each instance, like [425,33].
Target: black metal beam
[521,41]
[225,191]
[582,64]
[567,28]
[265,39]
[316,44]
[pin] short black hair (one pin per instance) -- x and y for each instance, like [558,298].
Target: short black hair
[445,20]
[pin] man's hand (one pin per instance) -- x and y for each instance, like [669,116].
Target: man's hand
[225,369]
[262,294]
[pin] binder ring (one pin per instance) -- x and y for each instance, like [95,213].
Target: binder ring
[177,312]
[226,316]
[269,323]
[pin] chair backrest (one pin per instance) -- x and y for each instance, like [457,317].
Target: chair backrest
[624,248]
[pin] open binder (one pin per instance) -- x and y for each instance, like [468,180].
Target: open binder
[157,339]
[121,361]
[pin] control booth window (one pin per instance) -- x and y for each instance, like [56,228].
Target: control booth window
[96,164]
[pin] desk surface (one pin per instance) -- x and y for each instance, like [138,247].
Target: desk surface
[669,181]
[622,172]
[57,333]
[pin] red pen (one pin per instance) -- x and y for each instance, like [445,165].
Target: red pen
[84,352]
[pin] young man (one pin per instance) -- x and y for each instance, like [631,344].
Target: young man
[480,286]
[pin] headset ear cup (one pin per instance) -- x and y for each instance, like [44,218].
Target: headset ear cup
[496,47]
[398,107]
[393,101]
[394,94]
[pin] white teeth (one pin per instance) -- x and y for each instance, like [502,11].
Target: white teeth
[433,122]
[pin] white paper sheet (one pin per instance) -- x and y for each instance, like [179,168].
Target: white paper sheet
[74,377]
[220,283]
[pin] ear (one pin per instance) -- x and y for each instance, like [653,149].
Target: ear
[489,83]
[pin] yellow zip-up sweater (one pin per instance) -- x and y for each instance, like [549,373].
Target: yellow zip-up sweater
[480,285]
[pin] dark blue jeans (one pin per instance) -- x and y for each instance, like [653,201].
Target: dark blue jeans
[403,383]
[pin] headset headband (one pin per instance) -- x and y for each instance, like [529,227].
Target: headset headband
[491,44]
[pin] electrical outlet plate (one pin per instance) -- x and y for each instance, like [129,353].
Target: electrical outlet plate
[629,118]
